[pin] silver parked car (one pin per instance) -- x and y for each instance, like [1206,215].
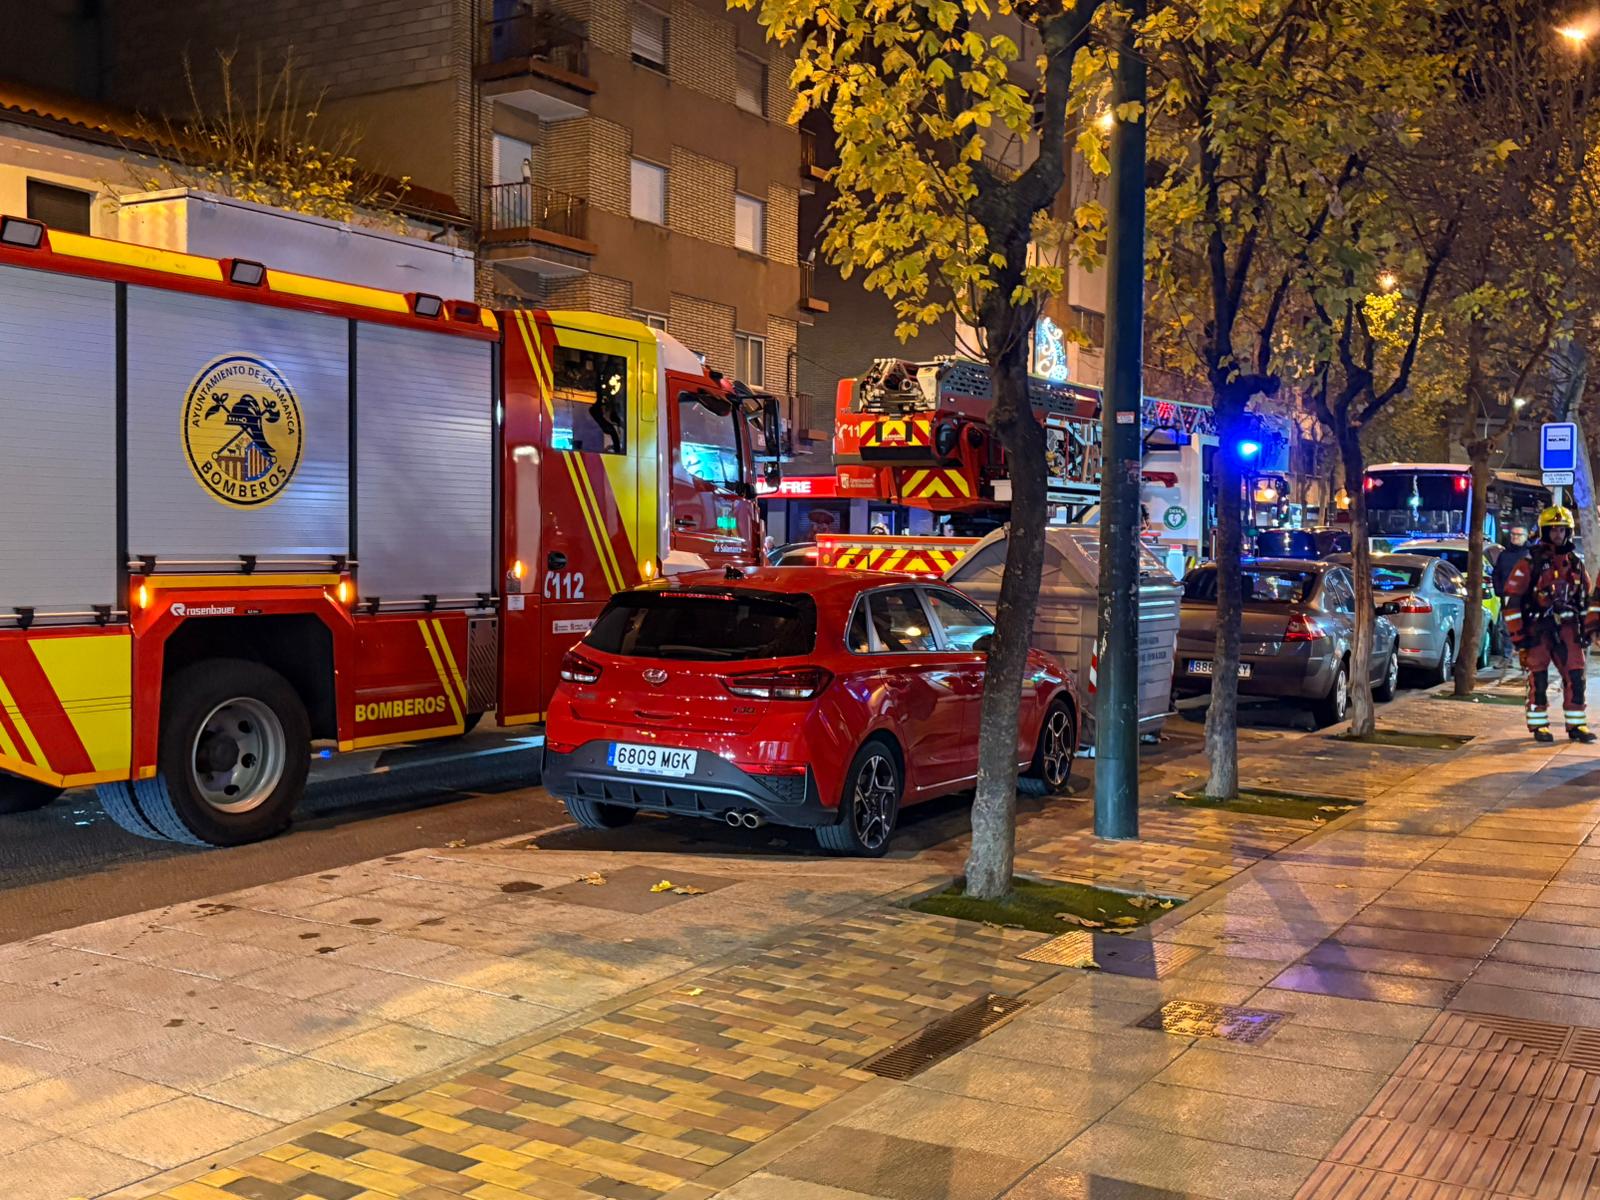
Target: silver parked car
[1425,599]
[1295,638]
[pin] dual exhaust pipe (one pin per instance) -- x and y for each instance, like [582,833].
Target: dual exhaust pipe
[744,820]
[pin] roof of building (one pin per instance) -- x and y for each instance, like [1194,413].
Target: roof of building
[109,125]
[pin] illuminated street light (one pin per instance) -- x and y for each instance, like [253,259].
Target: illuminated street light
[1107,121]
[1388,280]
[1519,401]
[1577,34]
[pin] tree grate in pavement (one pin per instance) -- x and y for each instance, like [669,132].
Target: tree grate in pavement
[1114,953]
[1199,1018]
[1485,1105]
[943,1037]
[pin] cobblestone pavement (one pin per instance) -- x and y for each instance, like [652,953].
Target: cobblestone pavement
[1416,978]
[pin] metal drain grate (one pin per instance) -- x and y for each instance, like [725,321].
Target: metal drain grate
[942,1038]
[1197,1018]
[1114,953]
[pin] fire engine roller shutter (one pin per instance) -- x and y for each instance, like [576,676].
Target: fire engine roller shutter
[424,464]
[177,340]
[58,468]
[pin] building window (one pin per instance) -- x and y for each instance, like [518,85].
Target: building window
[1090,323]
[63,208]
[749,224]
[750,84]
[654,320]
[750,353]
[650,37]
[649,192]
[589,402]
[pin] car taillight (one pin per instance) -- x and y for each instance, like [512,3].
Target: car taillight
[575,668]
[792,683]
[1412,604]
[1303,629]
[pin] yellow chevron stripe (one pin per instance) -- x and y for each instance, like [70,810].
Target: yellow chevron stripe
[590,518]
[92,678]
[31,742]
[602,541]
[914,481]
[960,481]
[433,653]
[450,659]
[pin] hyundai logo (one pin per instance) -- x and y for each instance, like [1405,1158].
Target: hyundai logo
[655,676]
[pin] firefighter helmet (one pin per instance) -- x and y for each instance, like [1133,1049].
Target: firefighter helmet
[1556,514]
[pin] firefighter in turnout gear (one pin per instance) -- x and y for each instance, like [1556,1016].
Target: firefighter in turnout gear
[1551,615]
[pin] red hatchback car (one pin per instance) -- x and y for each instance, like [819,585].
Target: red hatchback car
[800,696]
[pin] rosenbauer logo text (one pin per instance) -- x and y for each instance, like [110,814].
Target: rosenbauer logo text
[388,710]
[242,431]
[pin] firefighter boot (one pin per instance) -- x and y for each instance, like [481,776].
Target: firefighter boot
[1581,733]
[1543,735]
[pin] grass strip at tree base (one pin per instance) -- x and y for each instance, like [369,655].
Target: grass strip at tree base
[1268,802]
[1412,741]
[1048,906]
[1483,698]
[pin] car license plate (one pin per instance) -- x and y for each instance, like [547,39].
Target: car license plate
[1202,666]
[652,760]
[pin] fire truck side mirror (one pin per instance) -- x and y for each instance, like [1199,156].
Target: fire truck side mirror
[772,428]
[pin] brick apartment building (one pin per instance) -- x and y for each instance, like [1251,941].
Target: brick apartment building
[615,155]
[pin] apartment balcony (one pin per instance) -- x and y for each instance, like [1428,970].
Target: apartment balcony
[809,300]
[810,173]
[536,230]
[536,60]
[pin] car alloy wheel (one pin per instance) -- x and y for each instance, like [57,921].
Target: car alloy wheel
[1391,677]
[876,795]
[1056,749]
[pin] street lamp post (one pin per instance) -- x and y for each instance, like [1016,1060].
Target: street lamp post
[1116,777]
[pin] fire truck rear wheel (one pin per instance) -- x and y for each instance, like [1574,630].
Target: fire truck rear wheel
[24,795]
[234,752]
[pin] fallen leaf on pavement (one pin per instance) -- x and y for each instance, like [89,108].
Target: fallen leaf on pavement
[688,889]
[1070,918]
[1166,904]
[457,843]
[1344,887]
[593,879]
[694,992]
[1125,921]
[1331,808]
[666,885]
[1140,901]
[1086,964]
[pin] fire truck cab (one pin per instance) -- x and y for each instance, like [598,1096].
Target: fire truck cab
[243,510]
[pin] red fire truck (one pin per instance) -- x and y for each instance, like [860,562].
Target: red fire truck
[243,510]
[918,434]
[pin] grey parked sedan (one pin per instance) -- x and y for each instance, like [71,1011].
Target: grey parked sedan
[1295,640]
[1425,598]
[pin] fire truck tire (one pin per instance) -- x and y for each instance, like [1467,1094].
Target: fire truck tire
[234,751]
[117,802]
[24,795]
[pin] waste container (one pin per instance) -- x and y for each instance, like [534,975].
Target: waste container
[1065,624]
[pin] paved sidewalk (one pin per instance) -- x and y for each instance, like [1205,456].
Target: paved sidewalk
[483,1022]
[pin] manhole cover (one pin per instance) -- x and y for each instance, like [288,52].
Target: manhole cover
[1197,1018]
[943,1038]
[1114,953]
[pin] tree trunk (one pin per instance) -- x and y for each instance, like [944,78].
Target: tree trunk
[1363,716]
[1222,718]
[994,808]
[1473,629]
